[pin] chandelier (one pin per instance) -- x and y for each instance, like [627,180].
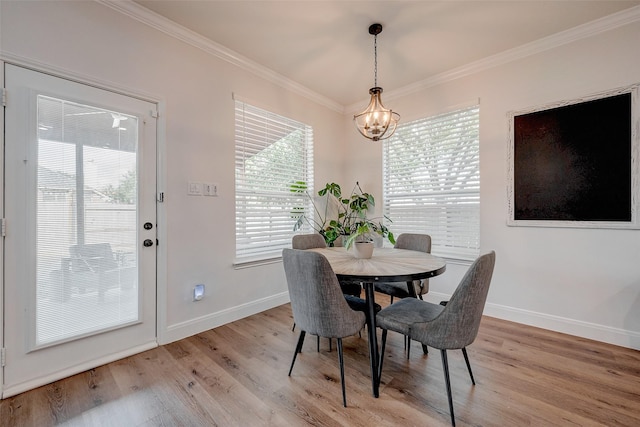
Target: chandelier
[376,122]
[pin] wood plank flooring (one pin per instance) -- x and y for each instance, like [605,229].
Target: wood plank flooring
[236,375]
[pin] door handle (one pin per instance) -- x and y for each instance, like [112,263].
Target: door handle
[148,242]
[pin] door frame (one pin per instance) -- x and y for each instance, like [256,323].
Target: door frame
[2,237]
[161,232]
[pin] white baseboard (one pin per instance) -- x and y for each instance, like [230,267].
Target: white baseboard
[15,389]
[195,326]
[593,331]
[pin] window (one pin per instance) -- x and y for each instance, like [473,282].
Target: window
[431,176]
[273,155]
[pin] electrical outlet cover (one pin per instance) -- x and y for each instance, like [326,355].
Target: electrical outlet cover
[198,292]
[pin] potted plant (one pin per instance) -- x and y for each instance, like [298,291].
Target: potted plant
[320,223]
[350,221]
[358,228]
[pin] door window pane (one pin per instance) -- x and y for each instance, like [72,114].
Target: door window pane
[86,205]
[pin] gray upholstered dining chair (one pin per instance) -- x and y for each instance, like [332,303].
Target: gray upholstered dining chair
[308,241]
[413,242]
[303,242]
[318,304]
[449,327]
[350,290]
[315,240]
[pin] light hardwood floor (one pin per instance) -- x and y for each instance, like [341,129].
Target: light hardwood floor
[236,375]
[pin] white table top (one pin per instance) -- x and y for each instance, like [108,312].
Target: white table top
[386,264]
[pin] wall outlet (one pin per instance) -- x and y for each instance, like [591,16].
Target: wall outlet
[198,292]
[210,189]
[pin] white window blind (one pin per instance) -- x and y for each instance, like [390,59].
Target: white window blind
[431,171]
[86,250]
[272,154]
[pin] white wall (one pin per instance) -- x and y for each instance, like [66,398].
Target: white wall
[584,282]
[197,141]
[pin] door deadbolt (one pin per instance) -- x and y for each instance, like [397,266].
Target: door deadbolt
[148,226]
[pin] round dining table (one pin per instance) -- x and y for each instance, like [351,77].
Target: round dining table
[386,265]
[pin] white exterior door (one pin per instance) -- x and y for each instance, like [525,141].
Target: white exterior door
[80,241]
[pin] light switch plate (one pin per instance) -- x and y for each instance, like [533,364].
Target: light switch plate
[194,188]
[210,189]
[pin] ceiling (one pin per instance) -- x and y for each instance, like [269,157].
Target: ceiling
[325,46]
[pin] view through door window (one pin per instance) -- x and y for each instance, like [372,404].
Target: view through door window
[86,220]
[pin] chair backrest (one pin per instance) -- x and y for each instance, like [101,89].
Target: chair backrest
[416,242]
[457,325]
[318,305]
[308,241]
[97,257]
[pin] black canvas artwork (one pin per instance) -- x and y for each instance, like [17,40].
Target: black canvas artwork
[573,163]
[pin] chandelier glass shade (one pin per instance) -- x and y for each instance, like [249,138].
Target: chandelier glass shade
[376,122]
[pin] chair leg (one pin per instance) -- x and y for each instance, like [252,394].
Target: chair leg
[384,344]
[466,359]
[445,368]
[341,358]
[318,342]
[294,327]
[425,350]
[298,350]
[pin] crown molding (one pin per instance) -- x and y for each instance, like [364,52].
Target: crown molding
[583,31]
[154,20]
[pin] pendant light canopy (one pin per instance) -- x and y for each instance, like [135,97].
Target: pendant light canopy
[376,122]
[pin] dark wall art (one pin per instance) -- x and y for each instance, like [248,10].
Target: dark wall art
[575,163]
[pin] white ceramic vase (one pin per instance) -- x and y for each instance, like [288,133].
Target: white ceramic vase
[363,250]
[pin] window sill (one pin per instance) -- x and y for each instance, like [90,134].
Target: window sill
[241,263]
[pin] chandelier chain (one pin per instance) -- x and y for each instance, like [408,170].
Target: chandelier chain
[375,60]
